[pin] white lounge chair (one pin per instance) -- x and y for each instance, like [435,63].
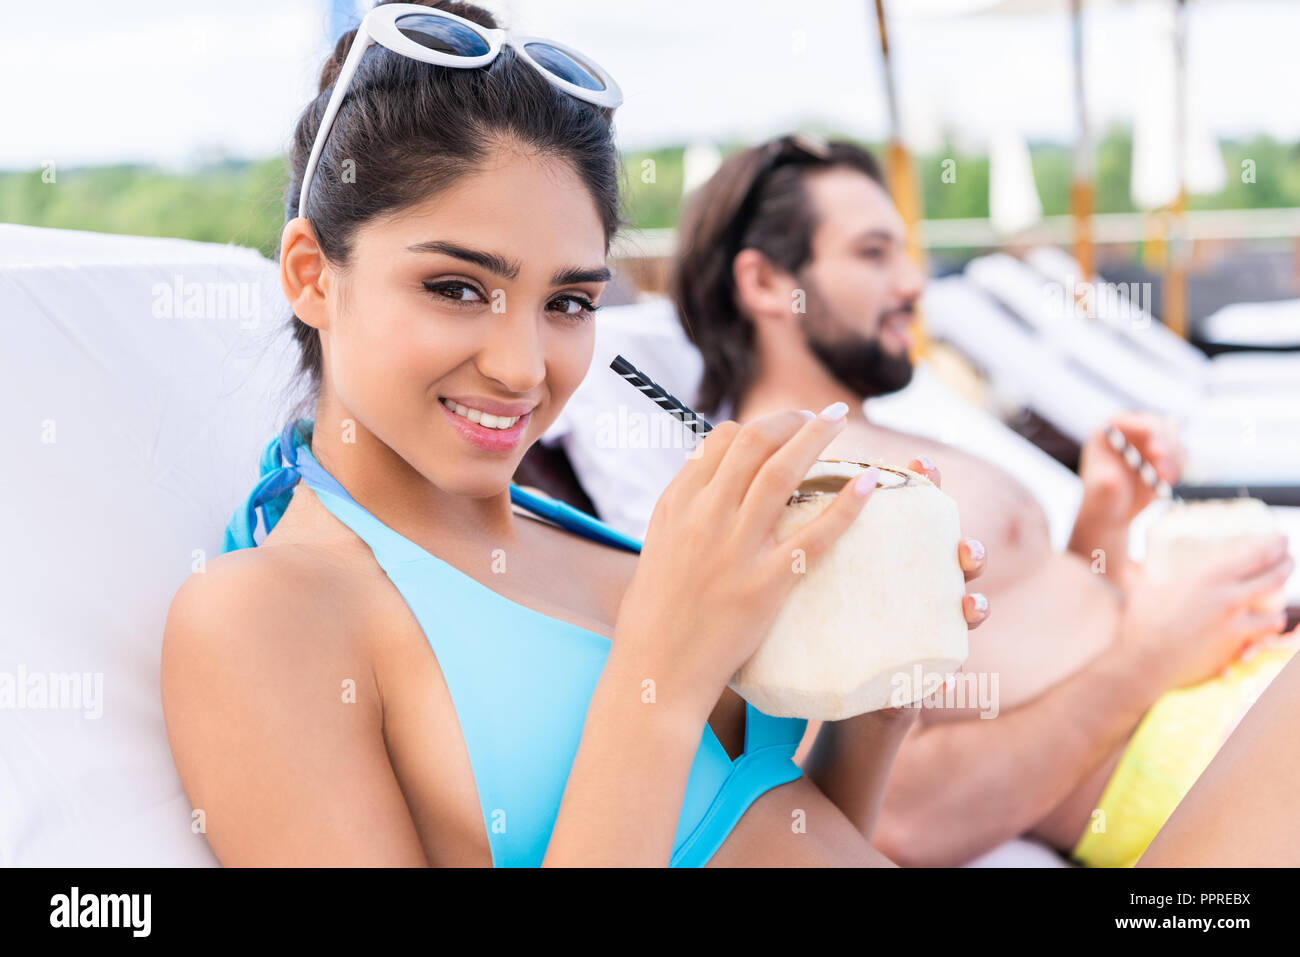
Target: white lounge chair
[134,417]
[1227,372]
[1076,373]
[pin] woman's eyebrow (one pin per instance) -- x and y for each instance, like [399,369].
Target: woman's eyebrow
[577,274]
[509,268]
[505,268]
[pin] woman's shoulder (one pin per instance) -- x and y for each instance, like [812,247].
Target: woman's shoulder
[250,582]
[260,651]
[259,608]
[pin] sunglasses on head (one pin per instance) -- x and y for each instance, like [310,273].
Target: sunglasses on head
[795,149]
[435,36]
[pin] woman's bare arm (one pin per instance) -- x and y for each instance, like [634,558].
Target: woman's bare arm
[625,789]
[1242,812]
[286,767]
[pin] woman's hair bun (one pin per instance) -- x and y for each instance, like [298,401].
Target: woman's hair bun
[330,72]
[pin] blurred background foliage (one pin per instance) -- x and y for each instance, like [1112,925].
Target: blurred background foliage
[242,202]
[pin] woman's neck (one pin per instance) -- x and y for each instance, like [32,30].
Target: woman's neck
[388,487]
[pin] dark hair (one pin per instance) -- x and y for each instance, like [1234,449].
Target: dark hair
[408,129]
[781,227]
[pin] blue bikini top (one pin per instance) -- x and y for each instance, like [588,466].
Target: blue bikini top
[520,680]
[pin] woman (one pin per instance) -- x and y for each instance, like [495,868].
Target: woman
[444,271]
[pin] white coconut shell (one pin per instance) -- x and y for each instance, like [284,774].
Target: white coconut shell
[1187,533]
[885,598]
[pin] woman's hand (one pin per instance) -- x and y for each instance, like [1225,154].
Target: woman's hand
[711,577]
[970,554]
[975,607]
[850,760]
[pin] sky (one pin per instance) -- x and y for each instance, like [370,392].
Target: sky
[177,82]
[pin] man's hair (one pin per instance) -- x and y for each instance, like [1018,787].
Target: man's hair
[781,227]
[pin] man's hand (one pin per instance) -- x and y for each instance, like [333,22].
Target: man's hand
[1189,629]
[1113,492]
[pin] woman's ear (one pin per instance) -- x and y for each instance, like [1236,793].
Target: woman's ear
[762,290]
[303,275]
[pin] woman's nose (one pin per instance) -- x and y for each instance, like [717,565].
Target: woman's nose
[513,354]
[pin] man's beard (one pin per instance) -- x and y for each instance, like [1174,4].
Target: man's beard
[859,363]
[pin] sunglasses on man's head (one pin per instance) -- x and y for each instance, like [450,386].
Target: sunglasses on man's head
[797,148]
[435,36]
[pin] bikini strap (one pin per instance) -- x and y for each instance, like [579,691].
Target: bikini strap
[573,519]
[271,494]
[286,461]
[764,731]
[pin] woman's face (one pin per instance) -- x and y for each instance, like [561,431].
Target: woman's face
[463,324]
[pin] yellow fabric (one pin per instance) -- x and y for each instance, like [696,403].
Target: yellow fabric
[1172,746]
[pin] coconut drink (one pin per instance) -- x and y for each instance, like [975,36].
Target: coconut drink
[1188,533]
[881,606]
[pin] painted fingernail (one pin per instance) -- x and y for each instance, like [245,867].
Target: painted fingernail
[981,603]
[834,412]
[976,549]
[926,463]
[865,482]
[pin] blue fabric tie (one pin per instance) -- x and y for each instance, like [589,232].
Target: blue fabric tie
[279,474]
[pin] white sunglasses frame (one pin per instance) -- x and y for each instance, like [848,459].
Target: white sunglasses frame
[380,26]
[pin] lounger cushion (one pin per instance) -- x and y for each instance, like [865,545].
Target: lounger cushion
[136,404]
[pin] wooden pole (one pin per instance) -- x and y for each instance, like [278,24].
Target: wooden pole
[901,169]
[1175,304]
[1082,188]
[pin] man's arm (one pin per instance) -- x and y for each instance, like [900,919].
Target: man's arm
[850,760]
[960,788]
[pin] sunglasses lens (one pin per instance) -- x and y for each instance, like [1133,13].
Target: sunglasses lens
[441,34]
[564,66]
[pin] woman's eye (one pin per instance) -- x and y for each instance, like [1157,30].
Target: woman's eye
[574,306]
[873,253]
[454,290]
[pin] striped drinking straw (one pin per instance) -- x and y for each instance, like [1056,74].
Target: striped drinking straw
[661,397]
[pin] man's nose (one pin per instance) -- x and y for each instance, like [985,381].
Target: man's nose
[911,281]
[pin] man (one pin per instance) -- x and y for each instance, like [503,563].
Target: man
[792,281]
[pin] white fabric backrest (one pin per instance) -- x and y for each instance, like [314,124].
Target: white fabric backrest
[624,448]
[1268,325]
[1277,373]
[1024,369]
[1092,346]
[1142,329]
[144,377]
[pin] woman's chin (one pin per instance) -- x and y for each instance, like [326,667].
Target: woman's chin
[476,479]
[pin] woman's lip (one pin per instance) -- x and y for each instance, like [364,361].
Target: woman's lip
[489,440]
[491,406]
